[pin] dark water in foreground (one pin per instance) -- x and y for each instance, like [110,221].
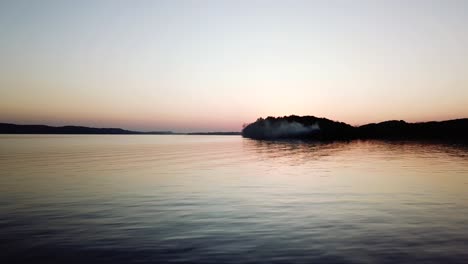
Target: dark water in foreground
[212,199]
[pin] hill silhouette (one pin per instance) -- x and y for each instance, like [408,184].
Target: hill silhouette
[311,127]
[43,129]
[6,128]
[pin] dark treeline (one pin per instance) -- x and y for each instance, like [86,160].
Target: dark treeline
[311,127]
[43,129]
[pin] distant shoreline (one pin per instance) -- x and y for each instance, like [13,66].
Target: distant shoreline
[7,128]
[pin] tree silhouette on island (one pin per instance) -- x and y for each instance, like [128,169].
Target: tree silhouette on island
[311,127]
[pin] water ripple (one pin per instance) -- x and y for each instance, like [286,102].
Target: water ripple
[213,199]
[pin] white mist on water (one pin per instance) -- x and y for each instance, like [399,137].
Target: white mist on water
[287,129]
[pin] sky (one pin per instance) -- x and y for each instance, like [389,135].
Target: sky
[215,65]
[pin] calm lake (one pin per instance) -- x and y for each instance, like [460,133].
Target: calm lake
[226,199]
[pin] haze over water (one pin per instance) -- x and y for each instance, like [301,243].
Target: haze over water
[211,199]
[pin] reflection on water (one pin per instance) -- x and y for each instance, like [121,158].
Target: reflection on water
[211,199]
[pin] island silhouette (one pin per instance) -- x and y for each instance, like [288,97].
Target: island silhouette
[311,127]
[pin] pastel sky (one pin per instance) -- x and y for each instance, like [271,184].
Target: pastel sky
[214,65]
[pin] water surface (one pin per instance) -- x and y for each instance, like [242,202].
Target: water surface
[212,199]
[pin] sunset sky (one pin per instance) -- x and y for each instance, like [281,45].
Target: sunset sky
[214,65]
